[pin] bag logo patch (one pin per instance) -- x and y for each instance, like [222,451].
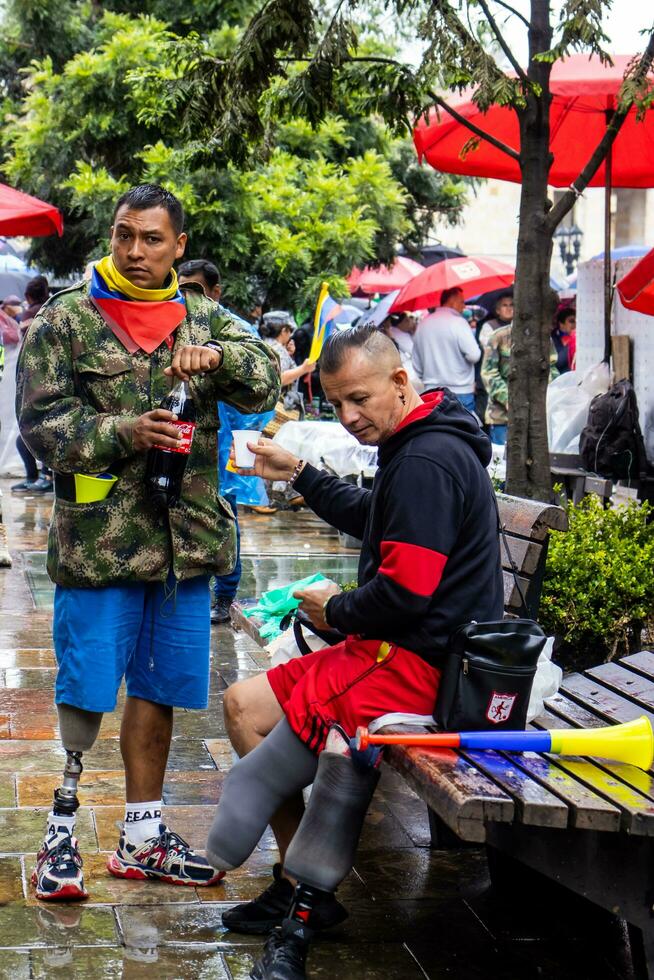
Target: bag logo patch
[500,707]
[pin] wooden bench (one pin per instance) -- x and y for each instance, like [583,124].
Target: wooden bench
[587,825]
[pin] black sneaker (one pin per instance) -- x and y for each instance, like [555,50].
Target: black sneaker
[220,611]
[264,913]
[285,953]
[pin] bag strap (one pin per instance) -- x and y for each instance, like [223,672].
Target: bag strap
[514,570]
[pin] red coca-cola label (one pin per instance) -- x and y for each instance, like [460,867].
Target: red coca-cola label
[186,429]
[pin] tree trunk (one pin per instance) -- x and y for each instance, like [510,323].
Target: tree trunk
[528,470]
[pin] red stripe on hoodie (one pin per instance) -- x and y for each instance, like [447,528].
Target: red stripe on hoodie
[413,567]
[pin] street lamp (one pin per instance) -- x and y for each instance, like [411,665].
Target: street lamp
[569,240]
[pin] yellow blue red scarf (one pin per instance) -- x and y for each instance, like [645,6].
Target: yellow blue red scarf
[147,317]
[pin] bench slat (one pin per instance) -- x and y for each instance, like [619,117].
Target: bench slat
[512,600]
[530,518]
[626,682]
[588,811]
[609,705]
[642,662]
[525,554]
[535,805]
[462,796]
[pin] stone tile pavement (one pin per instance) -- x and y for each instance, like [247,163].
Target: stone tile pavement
[414,913]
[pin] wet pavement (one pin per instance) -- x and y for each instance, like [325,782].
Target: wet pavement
[414,912]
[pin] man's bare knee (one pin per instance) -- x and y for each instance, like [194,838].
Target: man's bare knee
[251,712]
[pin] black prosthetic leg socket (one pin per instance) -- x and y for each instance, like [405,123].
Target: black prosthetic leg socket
[322,852]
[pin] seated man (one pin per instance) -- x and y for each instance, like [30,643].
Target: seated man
[429,562]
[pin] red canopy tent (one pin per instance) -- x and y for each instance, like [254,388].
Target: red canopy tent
[22,214]
[583,91]
[584,97]
[636,288]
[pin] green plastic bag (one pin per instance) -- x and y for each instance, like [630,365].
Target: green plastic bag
[275,604]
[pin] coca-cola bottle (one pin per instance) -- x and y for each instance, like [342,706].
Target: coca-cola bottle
[164,468]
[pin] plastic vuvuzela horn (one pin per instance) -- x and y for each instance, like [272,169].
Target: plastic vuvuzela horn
[631,742]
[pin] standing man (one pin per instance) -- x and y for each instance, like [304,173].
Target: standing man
[203,274]
[445,351]
[132,596]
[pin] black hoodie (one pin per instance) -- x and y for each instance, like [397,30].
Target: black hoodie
[430,559]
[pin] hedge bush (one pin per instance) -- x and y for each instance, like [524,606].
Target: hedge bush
[598,592]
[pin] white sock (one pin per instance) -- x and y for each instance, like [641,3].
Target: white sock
[56,821]
[142,821]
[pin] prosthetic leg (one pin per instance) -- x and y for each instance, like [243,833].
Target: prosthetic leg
[254,789]
[79,730]
[322,852]
[58,871]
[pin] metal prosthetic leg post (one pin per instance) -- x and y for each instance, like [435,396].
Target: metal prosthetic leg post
[65,797]
[79,730]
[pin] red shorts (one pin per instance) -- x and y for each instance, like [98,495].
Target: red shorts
[351,684]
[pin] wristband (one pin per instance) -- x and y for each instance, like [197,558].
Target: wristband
[218,347]
[296,472]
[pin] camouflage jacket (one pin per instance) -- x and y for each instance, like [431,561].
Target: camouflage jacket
[79,393]
[495,374]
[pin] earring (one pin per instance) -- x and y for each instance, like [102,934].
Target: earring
[403,398]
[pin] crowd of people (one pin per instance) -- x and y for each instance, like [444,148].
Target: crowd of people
[132,582]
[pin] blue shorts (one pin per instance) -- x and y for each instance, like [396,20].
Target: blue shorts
[154,636]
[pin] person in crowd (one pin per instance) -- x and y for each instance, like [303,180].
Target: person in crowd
[503,316]
[418,581]
[474,315]
[132,582]
[401,328]
[247,491]
[37,292]
[445,351]
[495,375]
[9,309]
[37,479]
[276,329]
[12,305]
[564,337]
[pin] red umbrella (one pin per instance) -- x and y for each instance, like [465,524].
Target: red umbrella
[21,214]
[384,279]
[636,289]
[583,91]
[471,274]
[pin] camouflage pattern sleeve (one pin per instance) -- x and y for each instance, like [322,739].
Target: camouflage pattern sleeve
[59,428]
[495,384]
[249,376]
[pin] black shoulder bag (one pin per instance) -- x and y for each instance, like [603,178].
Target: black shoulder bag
[490,667]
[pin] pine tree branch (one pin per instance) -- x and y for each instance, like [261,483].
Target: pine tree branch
[517,67]
[507,6]
[597,157]
[482,134]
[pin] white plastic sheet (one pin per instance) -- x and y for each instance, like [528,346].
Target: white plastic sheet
[329,442]
[568,399]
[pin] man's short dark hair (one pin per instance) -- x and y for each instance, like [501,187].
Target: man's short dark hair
[200,267]
[501,298]
[37,289]
[367,337]
[145,196]
[447,294]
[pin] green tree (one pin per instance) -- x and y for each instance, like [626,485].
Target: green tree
[458,41]
[317,200]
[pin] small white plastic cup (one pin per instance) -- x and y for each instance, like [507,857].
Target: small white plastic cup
[244,457]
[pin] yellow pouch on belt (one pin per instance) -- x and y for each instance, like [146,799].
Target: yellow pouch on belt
[89,489]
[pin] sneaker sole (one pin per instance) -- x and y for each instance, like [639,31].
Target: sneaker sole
[119,870]
[66,893]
